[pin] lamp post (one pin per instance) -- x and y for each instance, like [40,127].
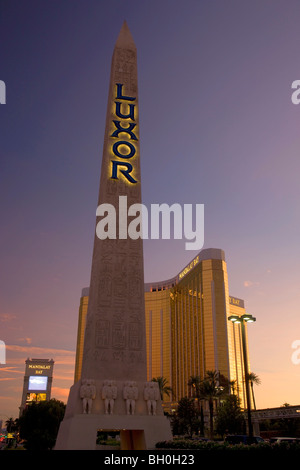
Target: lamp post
[242,319]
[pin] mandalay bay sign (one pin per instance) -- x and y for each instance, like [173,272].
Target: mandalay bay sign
[163,221]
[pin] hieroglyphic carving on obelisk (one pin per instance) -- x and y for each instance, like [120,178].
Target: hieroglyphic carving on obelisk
[114,342]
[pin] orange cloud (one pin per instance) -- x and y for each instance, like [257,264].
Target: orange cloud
[60,393]
[5,317]
[25,340]
[250,283]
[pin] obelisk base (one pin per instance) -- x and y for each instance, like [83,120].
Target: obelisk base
[138,429]
[136,432]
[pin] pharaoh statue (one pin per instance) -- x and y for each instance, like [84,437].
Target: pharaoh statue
[130,394]
[87,394]
[109,394]
[151,395]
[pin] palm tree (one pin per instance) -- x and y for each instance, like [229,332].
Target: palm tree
[195,386]
[232,384]
[211,391]
[10,425]
[254,379]
[163,387]
[185,419]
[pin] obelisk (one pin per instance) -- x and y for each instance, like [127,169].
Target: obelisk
[113,392]
[115,331]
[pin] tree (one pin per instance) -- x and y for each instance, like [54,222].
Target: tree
[163,387]
[213,387]
[289,426]
[185,420]
[232,384]
[230,419]
[11,425]
[11,428]
[39,424]
[254,379]
[195,387]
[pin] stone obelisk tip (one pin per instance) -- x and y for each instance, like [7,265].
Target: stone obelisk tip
[125,38]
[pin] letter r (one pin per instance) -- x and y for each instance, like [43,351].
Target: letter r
[126,173]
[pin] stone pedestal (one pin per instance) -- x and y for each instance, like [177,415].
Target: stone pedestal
[141,426]
[137,432]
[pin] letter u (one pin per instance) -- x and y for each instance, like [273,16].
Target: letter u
[130,115]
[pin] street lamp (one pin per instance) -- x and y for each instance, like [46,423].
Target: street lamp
[242,319]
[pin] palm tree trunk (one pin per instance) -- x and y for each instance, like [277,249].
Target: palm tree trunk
[254,405]
[211,418]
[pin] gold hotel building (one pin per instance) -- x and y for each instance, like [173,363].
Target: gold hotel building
[187,327]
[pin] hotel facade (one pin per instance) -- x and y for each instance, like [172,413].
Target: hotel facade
[187,327]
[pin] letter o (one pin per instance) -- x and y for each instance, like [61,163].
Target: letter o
[127,144]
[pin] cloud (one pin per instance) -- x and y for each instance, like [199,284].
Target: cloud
[6,369]
[4,379]
[64,360]
[250,284]
[60,393]
[6,317]
[39,351]
[25,340]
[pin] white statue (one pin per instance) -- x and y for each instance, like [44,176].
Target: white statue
[130,394]
[109,394]
[151,395]
[87,394]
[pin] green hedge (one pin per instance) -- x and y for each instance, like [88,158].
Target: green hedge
[265,447]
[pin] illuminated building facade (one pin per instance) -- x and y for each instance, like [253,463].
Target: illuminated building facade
[84,300]
[187,327]
[37,381]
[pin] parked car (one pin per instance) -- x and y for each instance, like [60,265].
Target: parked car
[274,440]
[243,439]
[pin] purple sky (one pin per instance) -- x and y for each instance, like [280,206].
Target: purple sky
[217,127]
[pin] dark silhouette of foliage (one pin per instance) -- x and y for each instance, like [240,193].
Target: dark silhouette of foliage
[39,424]
[230,419]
